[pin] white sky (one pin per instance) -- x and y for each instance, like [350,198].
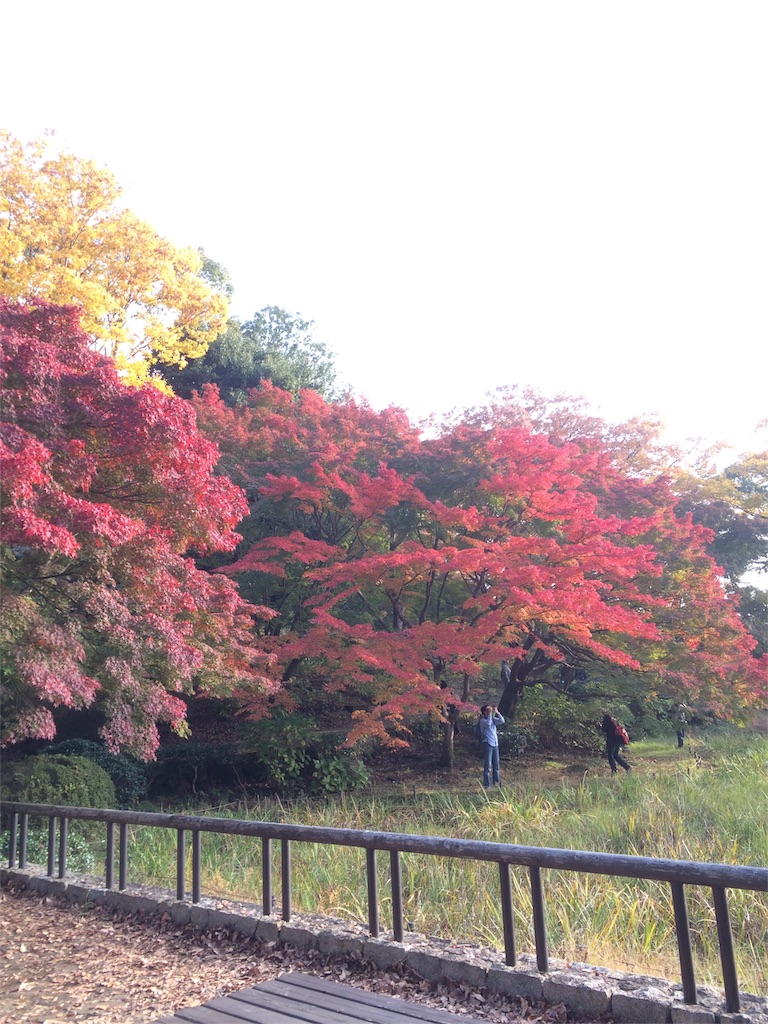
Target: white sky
[461,194]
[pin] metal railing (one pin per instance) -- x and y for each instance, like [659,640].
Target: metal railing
[677,873]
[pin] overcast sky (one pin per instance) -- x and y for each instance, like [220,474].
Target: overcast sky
[461,195]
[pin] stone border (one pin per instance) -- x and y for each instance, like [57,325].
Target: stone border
[586,990]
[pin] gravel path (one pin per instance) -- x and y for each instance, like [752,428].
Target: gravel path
[65,962]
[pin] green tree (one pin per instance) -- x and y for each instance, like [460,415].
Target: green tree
[753,608]
[273,345]
[734,505]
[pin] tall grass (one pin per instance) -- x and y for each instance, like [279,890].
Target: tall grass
[708,804]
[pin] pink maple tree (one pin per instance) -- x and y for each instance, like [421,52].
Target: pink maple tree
[108,492]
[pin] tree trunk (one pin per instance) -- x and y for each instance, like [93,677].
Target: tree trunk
[520,669]
[510,699]
[446,749]
[513,690]
[449,729]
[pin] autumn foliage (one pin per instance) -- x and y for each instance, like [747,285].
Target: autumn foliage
[394,568]
[404,569]
[108,492]
[65,237]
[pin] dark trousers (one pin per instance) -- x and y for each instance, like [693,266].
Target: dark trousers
[680,737]
[614,756]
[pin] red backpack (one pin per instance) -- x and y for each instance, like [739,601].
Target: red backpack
[621,733]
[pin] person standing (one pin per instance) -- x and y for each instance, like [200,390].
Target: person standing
[489,719]
[682,721]
[613,743]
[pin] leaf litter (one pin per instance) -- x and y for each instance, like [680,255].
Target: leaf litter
[64,962]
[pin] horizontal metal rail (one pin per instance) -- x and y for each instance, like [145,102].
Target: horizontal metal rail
[677,873]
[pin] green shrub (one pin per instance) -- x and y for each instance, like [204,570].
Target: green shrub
[128,775]
[554,721]
[283,754]
[337,771]
[512,741]
[291,758]
[280,744]
[80,856]
[58,779]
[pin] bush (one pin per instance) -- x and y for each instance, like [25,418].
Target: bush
[80,856]
[512,742]
[284,754]
[337,771]
[555,721]
[128,775]
[281,745]
[290,757]
[58,779]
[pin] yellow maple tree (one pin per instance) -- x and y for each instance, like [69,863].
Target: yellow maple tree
[64,237]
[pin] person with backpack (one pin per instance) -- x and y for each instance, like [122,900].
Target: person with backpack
[486,733]
[615,738]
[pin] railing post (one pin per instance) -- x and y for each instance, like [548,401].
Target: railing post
[196,871]
[725,938]
[684,942]
[397,895]
[507,915]
[181,864]
[23,840]
[109,867]
[12,840]
[63,832]
[266,877]
[539,922]
[373,892]
[285,866]
[123,858]
[51,844]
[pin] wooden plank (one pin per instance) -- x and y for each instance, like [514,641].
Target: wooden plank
[261,1008]
[206,1014]
[304,999]
[405,1009]
[321,1007]
[280,1000]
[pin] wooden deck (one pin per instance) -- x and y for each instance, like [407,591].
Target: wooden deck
[301,997]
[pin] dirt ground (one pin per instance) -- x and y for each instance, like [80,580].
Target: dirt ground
[66,962]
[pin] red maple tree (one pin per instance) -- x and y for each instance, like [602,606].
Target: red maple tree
[402,567]
[108,492]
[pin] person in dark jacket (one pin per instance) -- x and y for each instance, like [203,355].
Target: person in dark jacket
[613,744]
[681,723]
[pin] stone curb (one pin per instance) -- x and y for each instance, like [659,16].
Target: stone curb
[586,990]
